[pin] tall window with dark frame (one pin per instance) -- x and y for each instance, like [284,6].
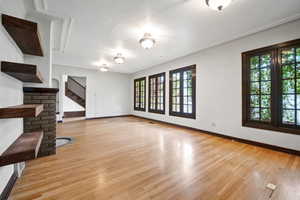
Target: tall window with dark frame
[140,94]
[271,87]
[157,93]
[183,92]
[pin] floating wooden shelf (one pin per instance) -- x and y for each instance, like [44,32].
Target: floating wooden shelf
[21,111]
[26,147]
[25,34]
[22,72]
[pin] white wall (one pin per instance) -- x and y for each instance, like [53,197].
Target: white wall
[44,63]
[107,93]
[218,87]
[10,88]
[70,105]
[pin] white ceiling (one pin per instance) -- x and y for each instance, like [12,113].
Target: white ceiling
[95,30]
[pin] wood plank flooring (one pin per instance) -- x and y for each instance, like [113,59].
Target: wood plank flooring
[131,159]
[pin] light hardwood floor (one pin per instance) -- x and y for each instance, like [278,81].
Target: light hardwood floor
[129,158]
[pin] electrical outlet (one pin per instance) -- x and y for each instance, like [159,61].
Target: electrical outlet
[271,186]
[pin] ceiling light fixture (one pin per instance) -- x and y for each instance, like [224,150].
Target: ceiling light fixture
[218,5]
[104,68]
[147,42]
[119,59]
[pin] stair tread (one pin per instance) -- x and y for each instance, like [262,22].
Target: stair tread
[22,72]
[25,33]
[21,111]
[25,148]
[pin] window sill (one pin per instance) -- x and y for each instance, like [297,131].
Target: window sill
[190,116]
[156,112]
[139,109]
[270,127]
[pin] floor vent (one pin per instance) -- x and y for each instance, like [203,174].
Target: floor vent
[62,141]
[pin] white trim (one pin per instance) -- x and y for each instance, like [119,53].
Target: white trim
[65,22]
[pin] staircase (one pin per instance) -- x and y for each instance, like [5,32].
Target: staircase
[76,92]
[26,36]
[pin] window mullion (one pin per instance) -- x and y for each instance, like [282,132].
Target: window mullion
[276,91]
[181,92]
[140,94]
[156,93]
[295,87]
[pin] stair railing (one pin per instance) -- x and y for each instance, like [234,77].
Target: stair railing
[76,88]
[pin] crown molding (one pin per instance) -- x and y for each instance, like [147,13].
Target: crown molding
[65,22]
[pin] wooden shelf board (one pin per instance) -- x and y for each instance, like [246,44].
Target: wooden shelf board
[24,33]
[26,147]
[23,72]
[21,111]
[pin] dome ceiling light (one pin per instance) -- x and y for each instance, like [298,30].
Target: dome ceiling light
[119,59]
[104,68]
[147,42]
[218,5]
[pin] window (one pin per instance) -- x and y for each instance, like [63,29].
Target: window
[157,93]
[183,92]
[271,87]
[140,94]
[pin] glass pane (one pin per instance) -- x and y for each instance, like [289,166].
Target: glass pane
[298,102]
[189,74]
[265,115]
[190,91]
[185,92]
[189,83]
[288,71]
[288,86]
[255,75]
[266,87]
[287,55]
[174,77]
[185,109]
[288,101]
[185,100]
[298,86]
[265,101]
[190,109]
[298,54]
[288,117]
[254,101]
[265,60]
[298,117]
[265,74]
[254,113]
[185,83]
[255,88]
[254,62]
[185,75]
[298,70]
